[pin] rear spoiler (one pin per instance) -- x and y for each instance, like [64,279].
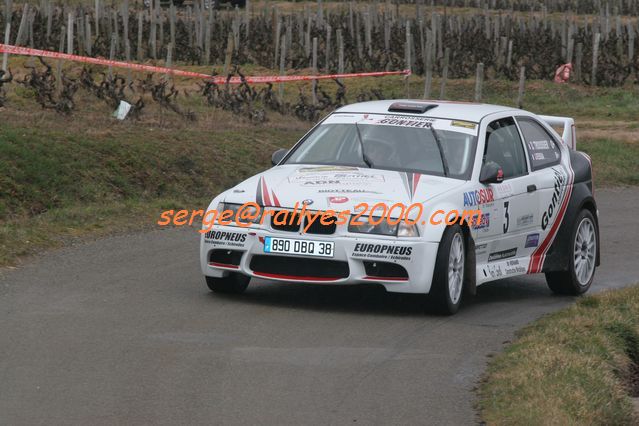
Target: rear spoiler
[569,134]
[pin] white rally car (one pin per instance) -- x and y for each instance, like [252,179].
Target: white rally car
[534,190]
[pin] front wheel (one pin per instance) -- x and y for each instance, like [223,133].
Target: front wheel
[233,283]
[448,279]
[581,269]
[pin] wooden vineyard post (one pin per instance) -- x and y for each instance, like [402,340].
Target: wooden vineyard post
[60,61]
[479,81]
[229,54]
[578,59]
[97,18]
[207,38]
[428,65]
[522,82]
[282,66]
[340,46]
[8,9]
[88,42]
[408,59]
[127,53]
[70,34]
[278,30]
[23,24]
[595,58]
[327,48]
[314,70]
[112,53]
[631,42]
[442,88]
[169,60]
[140,28]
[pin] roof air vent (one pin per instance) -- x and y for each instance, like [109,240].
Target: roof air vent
[410,107]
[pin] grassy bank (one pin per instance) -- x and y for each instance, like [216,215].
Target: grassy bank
[68,177]
[65,180]
[576,366]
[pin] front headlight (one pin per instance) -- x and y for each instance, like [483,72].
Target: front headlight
[382,227]
[257,213]
[407,230]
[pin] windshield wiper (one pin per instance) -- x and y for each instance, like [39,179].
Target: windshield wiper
[441,150]
[367,160]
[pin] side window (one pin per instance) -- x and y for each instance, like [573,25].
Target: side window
[542,147]
[504,147]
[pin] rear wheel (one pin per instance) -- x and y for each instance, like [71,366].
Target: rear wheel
[233,283]
[581,269]
[448,279]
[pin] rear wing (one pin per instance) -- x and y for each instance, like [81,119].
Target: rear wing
[569,134]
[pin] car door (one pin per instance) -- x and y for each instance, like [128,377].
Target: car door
[549,175]
[514,205]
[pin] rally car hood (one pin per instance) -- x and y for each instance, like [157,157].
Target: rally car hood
[337,187]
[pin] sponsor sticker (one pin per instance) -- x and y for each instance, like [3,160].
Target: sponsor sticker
[494,271]
[319,169]
[397,120]
[538,156]
[405,121]
[504,254]
[532,240]
[337,200]
[484,223]
[226,238]
[464,124]
[525,220]
[347,191]
[354,177]
[382,251]
[512,267]
[553,205]
[538,145]
[503,190]
[480,196]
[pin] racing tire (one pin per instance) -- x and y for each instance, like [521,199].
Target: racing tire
[233,283]
[582,264]
[448,278]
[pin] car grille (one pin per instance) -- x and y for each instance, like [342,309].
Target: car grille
[385,270]
[299,267]
[317,227]
[287,226]
[226,257]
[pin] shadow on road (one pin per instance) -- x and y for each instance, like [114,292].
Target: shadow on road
[371,299]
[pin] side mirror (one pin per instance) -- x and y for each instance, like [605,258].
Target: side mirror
[278,155]
[491,172]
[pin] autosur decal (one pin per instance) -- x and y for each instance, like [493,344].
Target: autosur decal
[479,196]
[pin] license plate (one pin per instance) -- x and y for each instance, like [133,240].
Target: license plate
[299,247]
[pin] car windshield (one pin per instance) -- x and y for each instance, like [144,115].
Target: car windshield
[404,143]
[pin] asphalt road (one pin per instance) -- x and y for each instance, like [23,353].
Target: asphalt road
[123,330]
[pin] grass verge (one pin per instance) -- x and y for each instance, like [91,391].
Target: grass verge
[576,366]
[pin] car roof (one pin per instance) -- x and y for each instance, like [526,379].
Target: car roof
[443,109]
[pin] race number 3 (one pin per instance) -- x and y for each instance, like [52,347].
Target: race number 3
[506,217]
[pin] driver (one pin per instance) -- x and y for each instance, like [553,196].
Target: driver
[381,153]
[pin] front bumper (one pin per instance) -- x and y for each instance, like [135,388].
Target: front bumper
[416,257]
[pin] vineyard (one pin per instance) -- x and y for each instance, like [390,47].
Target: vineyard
[495,39]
